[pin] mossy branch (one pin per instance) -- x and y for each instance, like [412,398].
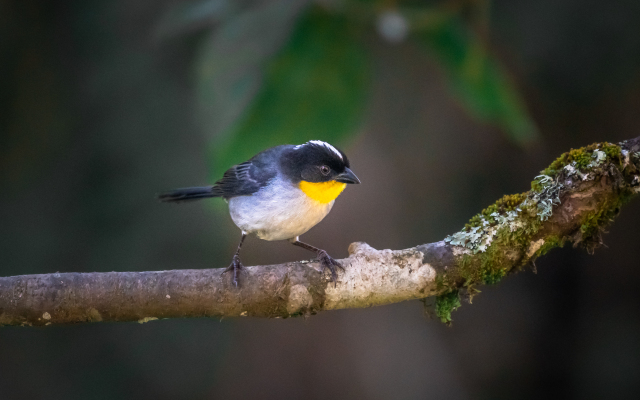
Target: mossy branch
[571,201]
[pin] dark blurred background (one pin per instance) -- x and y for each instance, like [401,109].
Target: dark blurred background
[442,107]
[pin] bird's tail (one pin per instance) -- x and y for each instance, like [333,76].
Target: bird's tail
[189,194]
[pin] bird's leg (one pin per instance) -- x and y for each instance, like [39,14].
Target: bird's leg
[236,266]
[326,261]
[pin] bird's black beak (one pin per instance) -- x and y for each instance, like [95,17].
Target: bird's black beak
[347,177]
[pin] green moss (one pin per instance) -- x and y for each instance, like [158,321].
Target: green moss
[542,183]
[550,242]
[446,304]
[490,266]
[504,231]
[493,265]
[595,221]
[583,157]
[491,277]
[582,160]
[440,282]
[487,268]
[611,150]
[466,268]
[507,203]
[536,186]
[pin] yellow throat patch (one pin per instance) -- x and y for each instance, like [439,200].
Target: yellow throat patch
[324,192]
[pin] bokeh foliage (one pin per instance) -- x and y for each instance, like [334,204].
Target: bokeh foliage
[315,88]
[282,71]
[477,79]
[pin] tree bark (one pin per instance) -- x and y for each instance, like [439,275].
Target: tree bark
[574,199]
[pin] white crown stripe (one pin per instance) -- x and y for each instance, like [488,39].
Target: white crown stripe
[321,143]
[327,145]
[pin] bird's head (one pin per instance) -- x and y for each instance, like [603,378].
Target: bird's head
[321,170]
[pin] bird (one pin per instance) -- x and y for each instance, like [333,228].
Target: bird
[279,194]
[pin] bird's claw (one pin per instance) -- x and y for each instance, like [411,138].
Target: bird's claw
[326,261]
[235,266]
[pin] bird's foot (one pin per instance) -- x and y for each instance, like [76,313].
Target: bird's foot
[237,267]
[326,261]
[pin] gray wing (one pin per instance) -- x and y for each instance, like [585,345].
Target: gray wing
[248,177]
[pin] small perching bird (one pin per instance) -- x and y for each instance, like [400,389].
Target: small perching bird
[279,194]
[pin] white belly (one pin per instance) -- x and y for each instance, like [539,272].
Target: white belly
[278,212]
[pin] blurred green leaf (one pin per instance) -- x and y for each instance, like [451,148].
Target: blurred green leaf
[232,60]
[477,79]
[314,89]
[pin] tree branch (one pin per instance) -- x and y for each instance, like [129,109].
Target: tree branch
[572,200]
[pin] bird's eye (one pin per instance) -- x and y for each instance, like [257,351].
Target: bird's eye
[325,170]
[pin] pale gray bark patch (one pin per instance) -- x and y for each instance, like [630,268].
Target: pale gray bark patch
[375,277]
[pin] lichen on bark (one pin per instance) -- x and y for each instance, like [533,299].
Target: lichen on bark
[593,182]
